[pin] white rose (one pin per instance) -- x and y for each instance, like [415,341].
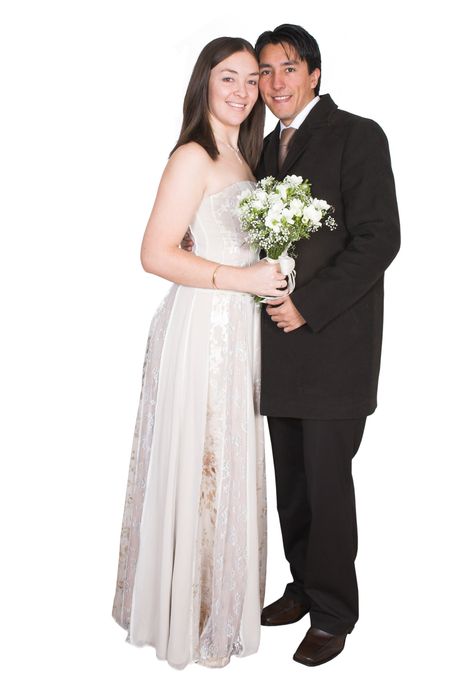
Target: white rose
[257,204]
[293,180]
[259,199]
[276,206]
[273,215]
[288,213]
[282,191]
[297,206]
[245,194]
[273,198]
[312,214]
[320,204]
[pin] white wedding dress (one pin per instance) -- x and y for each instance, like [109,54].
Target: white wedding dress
[192,557]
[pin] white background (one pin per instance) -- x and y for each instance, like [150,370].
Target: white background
[92,95]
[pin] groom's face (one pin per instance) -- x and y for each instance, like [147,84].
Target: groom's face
[284,82]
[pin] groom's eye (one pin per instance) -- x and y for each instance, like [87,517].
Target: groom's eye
[290,69]
[264,72]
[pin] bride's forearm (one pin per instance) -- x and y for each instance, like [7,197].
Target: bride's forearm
[187,269]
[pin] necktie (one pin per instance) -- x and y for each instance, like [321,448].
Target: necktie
[286,136]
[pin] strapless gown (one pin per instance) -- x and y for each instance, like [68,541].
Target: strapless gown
[192,558]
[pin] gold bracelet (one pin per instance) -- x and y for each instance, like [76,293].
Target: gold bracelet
[214,276]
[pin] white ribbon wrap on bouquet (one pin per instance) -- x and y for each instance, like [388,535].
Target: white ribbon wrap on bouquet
[287,267]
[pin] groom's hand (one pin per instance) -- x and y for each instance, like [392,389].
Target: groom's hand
[285,314]
[187,243]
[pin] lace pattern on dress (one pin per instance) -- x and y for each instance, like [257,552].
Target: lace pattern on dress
[138,467]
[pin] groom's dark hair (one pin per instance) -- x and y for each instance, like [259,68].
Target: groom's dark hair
[300,40]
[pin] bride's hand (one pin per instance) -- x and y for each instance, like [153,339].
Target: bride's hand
[265,279]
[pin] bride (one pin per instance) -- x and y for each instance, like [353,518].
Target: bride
[192,555]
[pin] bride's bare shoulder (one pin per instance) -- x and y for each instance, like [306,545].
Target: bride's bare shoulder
[189,166]
[192,155]
[186,172]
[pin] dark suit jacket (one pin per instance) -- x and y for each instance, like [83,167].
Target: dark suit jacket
[329,367]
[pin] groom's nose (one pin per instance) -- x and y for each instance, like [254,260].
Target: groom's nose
[277,80]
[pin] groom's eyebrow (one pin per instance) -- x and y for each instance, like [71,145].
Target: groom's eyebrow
[283,63]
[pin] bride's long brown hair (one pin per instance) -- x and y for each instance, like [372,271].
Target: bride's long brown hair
[196,126]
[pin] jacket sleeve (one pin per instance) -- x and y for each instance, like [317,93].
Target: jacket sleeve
[371,218]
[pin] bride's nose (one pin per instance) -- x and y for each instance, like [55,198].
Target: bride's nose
[241,90]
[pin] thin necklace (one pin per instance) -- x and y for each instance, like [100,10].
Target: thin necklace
[233,148]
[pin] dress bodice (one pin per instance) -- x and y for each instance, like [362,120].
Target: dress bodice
[216,228]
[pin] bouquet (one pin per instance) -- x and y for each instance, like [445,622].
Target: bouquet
[277,213]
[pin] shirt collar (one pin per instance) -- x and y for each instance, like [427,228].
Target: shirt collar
[300,117]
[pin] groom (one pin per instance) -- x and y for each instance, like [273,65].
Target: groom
[321,346]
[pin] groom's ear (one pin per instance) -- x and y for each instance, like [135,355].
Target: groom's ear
[314,78]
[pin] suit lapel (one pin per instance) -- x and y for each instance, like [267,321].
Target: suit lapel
[316,119]
[298,144]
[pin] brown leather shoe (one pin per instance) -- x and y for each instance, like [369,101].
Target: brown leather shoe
[319,647]
[283,611]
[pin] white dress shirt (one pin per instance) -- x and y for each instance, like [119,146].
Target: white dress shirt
[300,117]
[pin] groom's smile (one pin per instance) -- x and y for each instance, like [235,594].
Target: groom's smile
[285,84]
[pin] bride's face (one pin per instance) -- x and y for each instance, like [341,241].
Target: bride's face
[233,88]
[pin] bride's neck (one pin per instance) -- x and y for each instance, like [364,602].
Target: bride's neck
[224,133]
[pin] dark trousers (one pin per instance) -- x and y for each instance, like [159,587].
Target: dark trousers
[316,506]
